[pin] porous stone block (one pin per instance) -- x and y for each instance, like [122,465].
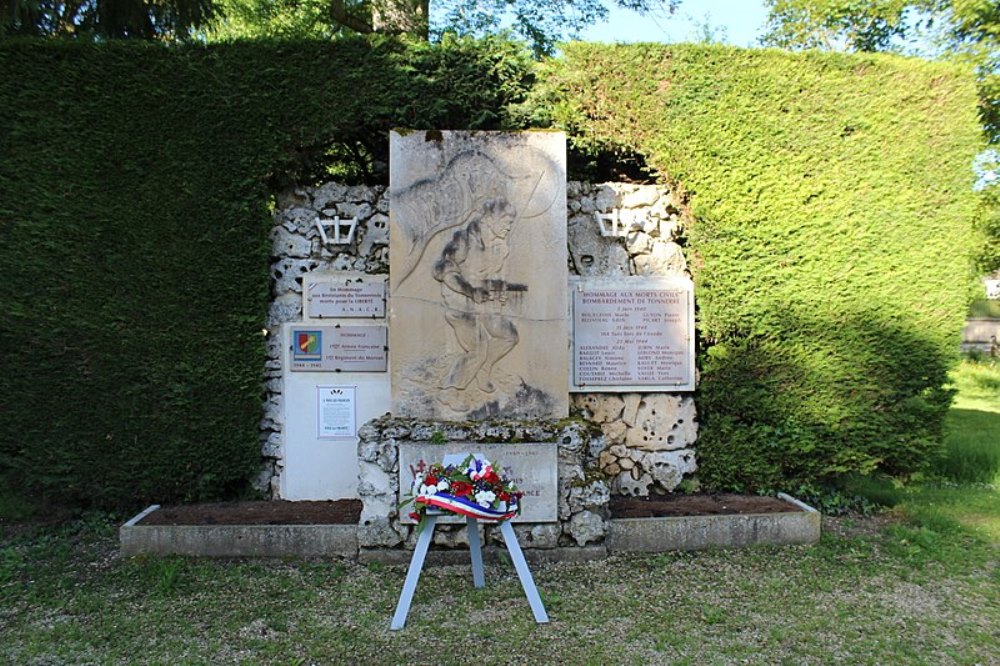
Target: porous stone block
[641,196]
[592,496]
[663,422]
[593,254]
[329,194]
[625,484]
[585,527]
[378,531]
[284,243]
[668,468]
[287,274]
[638,242]
[605,197]
[299,220]
[631,408]
[287,307]
[663,258]
[373,480]
[538,536]
[599,407]
[614,432]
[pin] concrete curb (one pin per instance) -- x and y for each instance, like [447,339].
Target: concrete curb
[237,540]
[655,535]
[799,526]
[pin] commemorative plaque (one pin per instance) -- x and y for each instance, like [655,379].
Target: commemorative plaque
[344,297]
[633,335]
[339,349]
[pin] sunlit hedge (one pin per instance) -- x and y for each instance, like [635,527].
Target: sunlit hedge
[832,242]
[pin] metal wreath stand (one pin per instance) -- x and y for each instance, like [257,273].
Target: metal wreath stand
[476,552]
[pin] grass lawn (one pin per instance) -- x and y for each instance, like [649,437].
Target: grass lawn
[917,585]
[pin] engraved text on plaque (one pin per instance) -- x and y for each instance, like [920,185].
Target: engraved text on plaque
[633,338]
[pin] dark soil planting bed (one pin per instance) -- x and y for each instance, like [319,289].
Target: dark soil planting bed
[276,512]
[697,505]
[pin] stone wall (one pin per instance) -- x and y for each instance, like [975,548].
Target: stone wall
[647,439]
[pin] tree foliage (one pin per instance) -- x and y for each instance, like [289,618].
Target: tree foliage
[541,23]
[137,19]
[963,30]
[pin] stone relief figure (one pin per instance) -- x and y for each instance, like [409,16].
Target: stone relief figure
[462,234]
[476,295]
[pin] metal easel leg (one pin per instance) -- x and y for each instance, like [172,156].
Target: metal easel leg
[527,582]
[476,551]
[413,573]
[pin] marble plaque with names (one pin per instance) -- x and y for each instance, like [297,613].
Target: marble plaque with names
[532,467]
[350,297]
[633,334]
[339,348]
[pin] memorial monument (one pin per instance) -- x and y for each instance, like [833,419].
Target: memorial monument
[478,275]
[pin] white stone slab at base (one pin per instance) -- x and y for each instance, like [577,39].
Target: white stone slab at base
[533,467]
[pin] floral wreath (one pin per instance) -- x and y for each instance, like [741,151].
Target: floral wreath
[472,488]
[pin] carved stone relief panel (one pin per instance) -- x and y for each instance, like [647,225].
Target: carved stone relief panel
[477,275]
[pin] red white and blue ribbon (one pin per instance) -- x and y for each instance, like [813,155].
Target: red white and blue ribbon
[465,507]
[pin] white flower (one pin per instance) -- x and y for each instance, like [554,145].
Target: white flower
[428,490]
[485,498]
[443,485]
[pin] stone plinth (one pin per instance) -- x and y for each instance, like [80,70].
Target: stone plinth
[581,495]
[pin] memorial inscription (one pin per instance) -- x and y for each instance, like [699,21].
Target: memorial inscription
[345,298]
[339,349]
[633,335]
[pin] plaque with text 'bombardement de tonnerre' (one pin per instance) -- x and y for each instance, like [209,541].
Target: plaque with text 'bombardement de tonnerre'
[339,348]
[632,334]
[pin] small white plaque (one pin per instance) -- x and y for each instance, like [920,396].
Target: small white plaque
[337,411]
[532,467]
[344,297]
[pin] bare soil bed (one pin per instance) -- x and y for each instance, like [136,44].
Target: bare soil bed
[275,512]
[347,512]
[697,505]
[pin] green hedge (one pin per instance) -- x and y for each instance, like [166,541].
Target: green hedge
[134,195]
[831,249]
[832,244]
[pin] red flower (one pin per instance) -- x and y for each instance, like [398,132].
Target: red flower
[492,477]
[461,489]
[431,480]
[504,496]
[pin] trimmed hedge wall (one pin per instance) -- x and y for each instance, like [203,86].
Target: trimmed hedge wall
[134,219]
[832,244]
[831,250]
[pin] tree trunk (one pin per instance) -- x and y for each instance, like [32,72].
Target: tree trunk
[398,17]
